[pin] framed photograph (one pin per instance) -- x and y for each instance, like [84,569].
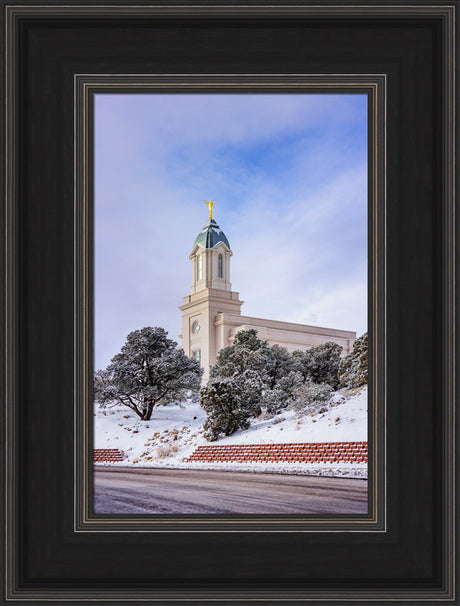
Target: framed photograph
[266,406]
[327,136]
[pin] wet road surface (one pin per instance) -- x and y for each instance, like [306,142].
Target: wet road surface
[128,490]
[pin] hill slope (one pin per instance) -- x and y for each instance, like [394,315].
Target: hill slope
[174,432]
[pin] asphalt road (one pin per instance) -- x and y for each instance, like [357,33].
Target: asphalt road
[127,490]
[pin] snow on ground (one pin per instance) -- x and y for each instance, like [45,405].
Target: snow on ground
[174,432]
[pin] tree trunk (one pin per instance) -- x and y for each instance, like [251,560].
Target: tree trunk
[148,411]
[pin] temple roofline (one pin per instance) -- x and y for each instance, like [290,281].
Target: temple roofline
[238,320]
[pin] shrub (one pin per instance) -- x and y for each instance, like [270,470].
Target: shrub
[319,364]
[166,450]
[249,374]
[224,403]
[247,353]
[278,364]
[243,364]
[353,371]
[309,394]
[278,398]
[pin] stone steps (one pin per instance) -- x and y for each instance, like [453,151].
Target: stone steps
[317,452]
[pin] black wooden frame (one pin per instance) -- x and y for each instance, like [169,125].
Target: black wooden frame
[47,557]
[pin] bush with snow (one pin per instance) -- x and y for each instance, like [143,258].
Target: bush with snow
[319,364]
[308,395]
[247,353]
[166,450]
[278,364]
[278,398]
[260,371]
[223,401]
[244,365]
[353,369]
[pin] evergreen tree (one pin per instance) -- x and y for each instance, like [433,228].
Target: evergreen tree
[353,369]
[281,395]
[249,375]
[148,371]
[309,394]
[319,364]
[248,352]
[278,365]
[245,363]
[223,402]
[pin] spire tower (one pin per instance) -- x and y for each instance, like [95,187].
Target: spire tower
[211,294]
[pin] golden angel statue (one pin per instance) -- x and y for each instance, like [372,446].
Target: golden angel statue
[210,204]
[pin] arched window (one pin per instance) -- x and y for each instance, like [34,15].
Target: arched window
[200,267]
[219,267]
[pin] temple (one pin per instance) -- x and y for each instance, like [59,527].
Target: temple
[211,313]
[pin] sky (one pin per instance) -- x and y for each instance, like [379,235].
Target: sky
[288,176]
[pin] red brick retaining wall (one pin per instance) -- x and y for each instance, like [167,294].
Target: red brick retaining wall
[109,455]
[320,452]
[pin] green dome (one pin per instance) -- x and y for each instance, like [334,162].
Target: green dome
[211,235]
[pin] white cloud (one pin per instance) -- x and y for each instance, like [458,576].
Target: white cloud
[296,219]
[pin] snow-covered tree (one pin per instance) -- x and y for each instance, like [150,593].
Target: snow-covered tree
[149,371]
[267,377]
[247,352]
[245,362]
[319,364]
[281,395]
[308,394]
[278,365]
[223,401]
[353,369]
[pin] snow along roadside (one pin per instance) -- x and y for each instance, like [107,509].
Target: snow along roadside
[343,470]
[175,431]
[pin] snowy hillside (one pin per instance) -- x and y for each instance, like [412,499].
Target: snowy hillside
[175,431]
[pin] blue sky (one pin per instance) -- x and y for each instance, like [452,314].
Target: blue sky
[288,176]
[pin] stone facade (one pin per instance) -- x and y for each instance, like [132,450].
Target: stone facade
[211,314]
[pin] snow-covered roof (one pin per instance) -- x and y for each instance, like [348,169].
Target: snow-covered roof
[211,235]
